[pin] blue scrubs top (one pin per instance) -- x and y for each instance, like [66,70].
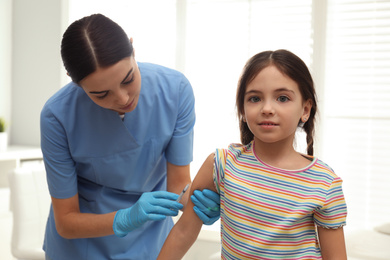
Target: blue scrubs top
[89,150]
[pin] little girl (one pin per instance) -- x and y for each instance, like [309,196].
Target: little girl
[276,203]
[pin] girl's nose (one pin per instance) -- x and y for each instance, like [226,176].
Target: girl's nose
[267,108]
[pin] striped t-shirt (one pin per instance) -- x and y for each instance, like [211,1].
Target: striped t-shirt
[271,213]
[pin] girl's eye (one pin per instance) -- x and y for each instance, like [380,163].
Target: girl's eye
[283,99]
[254,99]
[129,81]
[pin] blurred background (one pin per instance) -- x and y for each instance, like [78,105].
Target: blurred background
[345,43]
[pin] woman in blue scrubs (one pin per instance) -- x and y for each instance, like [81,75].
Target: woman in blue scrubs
[117,143]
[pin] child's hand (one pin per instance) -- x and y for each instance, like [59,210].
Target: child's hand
[207,205]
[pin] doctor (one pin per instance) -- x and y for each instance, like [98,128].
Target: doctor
[117,143]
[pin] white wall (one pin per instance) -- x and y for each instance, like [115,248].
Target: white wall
[37,28]
[5,58]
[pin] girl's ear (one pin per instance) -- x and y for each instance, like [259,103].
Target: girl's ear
[243,118]
[306,110]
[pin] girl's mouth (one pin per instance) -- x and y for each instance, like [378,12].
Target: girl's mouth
[267,125]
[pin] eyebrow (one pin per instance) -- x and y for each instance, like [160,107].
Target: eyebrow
[127,75]
[278,90]
[98,92]
[104,91]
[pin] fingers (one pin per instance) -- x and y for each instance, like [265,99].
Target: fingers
[207,205]
[160,203]
[164,195]
[201,215]
[165,203]
[203,208]
[152,206]
[162,213]
[206,202]
[212,195]
[168,210]
[205,219]
[197,203]
[156,217]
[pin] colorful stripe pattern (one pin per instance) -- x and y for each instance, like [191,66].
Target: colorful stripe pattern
[271,213]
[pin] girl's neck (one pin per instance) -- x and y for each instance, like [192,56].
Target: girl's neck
[280,155]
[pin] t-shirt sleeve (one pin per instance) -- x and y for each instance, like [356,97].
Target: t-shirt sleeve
[60,168]
[333,213]
[180,148]
[219,169]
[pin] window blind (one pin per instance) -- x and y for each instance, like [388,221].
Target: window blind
[356,116]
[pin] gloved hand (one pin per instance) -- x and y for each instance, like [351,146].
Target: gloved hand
[207,205]
[150,206]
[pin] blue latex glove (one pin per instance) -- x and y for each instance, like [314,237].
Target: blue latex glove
[150,206]
[207,205]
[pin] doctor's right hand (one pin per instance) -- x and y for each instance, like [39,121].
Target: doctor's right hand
[154,205]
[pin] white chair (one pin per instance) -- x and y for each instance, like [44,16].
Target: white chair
[30,202]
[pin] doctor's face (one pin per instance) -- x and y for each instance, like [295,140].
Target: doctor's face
[116,87]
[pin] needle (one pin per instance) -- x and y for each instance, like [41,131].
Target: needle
[182,193]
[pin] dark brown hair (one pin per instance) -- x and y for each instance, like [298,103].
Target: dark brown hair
[91,42]
[290,65]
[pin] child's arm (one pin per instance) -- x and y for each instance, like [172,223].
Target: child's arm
[186,230]
[332,243]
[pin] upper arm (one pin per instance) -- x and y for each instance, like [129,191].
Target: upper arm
[186,230]
[59,164]
[180,148]
[330,220]
[332,243]
[204,178]
[177,178]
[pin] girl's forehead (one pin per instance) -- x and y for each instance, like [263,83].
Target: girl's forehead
[271,76]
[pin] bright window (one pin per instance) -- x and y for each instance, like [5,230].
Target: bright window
[356,123]
[217,47]
[151,24]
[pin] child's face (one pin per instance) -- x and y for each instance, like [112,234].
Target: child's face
[273,106]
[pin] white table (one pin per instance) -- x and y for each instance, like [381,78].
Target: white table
[14,157]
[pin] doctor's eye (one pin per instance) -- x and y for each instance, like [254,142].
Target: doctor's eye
[103,96]
[129,81]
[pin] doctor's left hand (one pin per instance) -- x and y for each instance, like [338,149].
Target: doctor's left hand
[154,205]
[207,205]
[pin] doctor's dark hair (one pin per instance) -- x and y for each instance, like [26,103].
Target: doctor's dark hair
[293,67]
[92,42]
